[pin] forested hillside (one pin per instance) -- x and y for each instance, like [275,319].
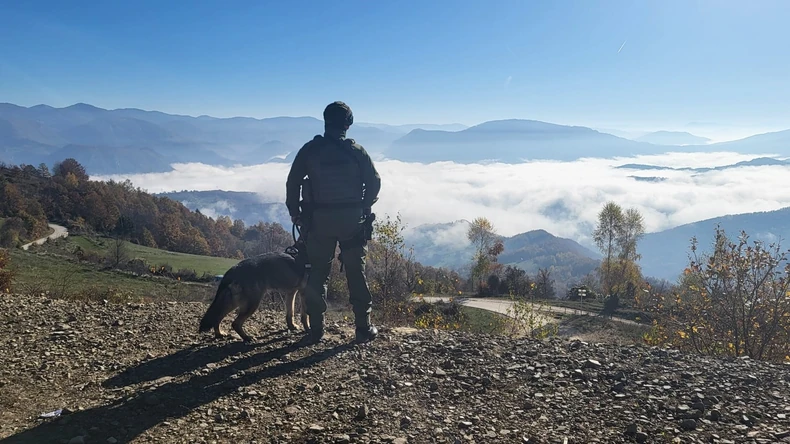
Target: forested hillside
[32,196]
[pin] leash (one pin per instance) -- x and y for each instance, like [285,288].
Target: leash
[293,250]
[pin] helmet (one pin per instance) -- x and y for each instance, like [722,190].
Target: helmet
[338,115]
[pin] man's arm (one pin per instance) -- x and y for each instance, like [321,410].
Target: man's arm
[371,179]
[293,184]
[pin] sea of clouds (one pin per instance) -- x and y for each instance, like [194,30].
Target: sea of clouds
[560,197]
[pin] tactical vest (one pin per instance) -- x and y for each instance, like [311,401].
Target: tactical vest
[335,176]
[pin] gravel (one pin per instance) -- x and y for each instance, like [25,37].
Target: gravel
[141,373]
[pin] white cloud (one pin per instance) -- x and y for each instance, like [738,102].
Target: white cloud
[560,197]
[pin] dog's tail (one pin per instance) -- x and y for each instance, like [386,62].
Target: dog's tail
[216,310]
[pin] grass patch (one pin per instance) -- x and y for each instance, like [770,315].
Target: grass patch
[155,257]
[61,277]
[477,320]
[600,329]
[469,319]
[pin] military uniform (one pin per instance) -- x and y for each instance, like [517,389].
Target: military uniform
[343,185]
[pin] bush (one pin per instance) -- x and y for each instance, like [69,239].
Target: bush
[186,275]
[610,305]
[6,274]
[734,302]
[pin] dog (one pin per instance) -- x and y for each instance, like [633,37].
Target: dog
[244,285]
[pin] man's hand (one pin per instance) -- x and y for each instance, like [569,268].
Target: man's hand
[295,220]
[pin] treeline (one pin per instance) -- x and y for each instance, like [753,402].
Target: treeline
[32,196]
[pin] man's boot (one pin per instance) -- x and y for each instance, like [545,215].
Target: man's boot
[316,329]
[365,331]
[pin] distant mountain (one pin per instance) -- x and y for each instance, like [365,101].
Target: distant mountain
[759,161]
[37,134]
[769,143]
[518,140]
[406,128]
[665,253]
[446,245]
[113,160]
[41,133]
[249,207]
[513,141]
[673,138]
[620,133]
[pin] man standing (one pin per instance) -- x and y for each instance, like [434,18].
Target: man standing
[341,187]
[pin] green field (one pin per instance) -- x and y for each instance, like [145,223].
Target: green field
[477,320]
[40,273]
[152,256]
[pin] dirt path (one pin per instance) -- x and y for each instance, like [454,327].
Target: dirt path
[502,306]
[59,232]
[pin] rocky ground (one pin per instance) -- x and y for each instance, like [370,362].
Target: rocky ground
[141,373]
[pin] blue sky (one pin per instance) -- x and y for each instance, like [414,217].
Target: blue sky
[710,62]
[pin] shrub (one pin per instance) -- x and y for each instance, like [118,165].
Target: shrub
[6,273]
[733,302]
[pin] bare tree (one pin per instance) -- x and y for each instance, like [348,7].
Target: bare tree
[118,253]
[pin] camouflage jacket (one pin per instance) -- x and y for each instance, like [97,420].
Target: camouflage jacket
[341,173]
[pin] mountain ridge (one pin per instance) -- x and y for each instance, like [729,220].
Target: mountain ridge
[672,138]
[31,134]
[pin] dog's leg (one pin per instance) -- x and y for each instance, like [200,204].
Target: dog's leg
[289,311]
[225,310]
[245,312]
[303,312]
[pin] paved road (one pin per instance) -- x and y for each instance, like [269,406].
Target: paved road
[501,306]
[59,232]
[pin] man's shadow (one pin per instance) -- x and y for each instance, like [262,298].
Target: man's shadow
[185,360]
[125,419]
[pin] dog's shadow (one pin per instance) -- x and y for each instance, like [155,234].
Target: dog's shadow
[191,358]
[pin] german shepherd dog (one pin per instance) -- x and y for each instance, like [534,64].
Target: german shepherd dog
[244,285]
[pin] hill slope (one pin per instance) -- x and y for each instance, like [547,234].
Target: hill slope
[140,373]
[665,253]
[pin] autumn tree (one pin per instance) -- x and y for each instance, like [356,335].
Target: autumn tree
[71,166]
[487,246]
[734,301]
[544,284]
[12,232]
[515,281]
[610,223]
[389,265]
[617,235]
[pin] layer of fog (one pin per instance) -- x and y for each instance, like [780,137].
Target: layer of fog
[560,197]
